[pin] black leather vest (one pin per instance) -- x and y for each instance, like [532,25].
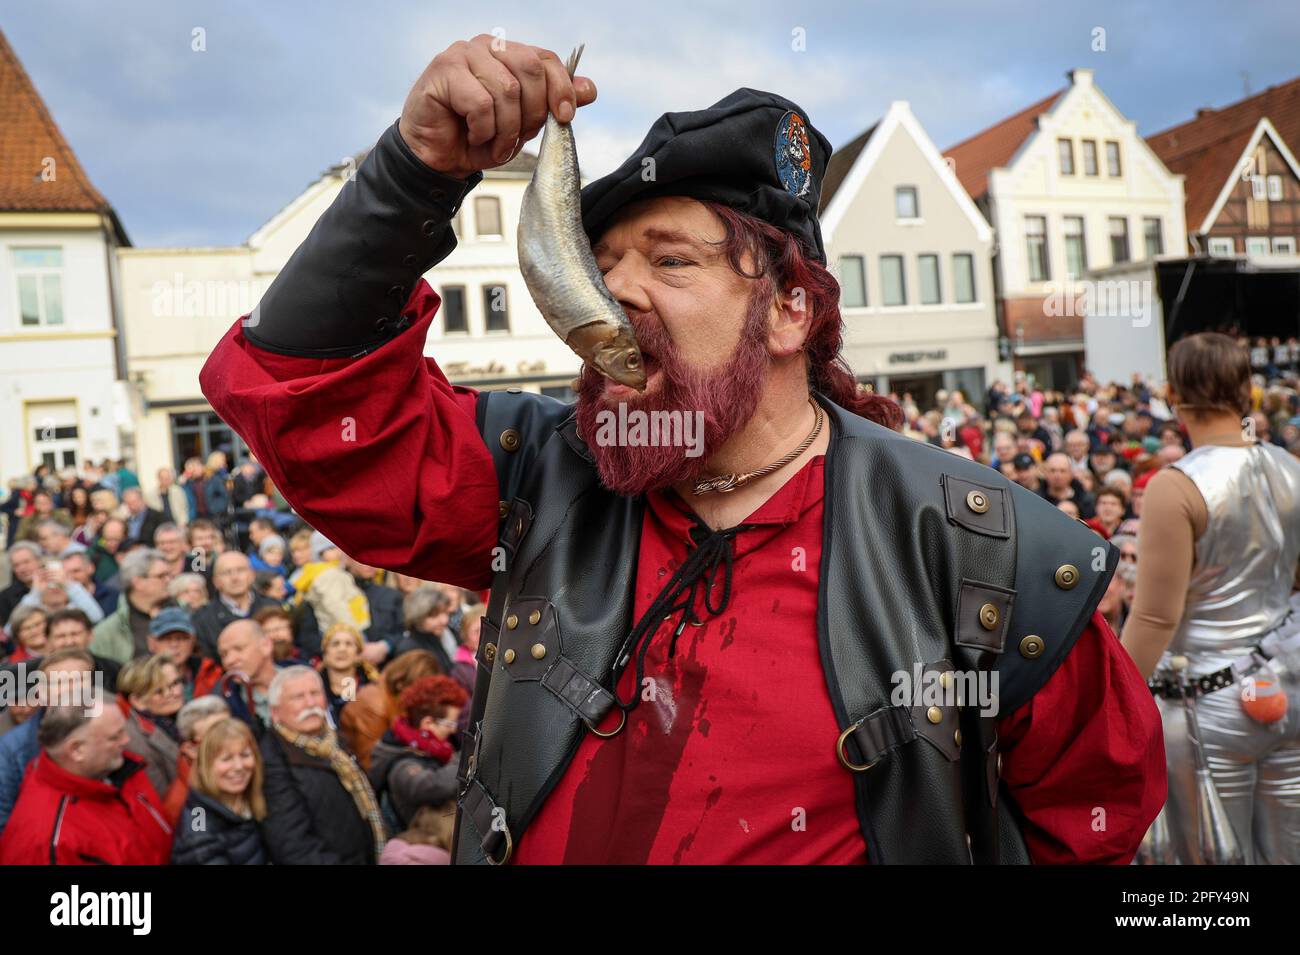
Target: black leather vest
[927,558]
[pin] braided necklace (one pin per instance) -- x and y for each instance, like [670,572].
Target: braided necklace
[726,483]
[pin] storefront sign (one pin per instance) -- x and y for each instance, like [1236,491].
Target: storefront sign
[910,357]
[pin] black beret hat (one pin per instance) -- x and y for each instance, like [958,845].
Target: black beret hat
[753,151]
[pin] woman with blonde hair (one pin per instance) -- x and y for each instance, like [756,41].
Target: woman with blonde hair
[342,667]
[220,824]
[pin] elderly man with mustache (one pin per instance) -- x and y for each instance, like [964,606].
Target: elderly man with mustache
[320,807]
[697,658]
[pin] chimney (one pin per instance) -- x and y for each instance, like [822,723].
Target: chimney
[1080,77]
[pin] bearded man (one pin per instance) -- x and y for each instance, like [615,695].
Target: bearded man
[701,658]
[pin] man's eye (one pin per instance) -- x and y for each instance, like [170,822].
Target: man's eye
[670,259]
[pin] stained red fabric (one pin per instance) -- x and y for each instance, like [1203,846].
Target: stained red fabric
[733,759]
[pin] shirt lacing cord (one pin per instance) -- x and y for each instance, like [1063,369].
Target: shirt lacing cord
[714,551]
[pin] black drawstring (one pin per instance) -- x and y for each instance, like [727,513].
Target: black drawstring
[713,549]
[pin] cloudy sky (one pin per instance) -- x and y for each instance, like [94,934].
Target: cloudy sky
[200,148]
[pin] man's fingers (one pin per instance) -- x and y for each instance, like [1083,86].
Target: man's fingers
[505,90]
[560,97]
[470,98]
[585,88]
[522,61]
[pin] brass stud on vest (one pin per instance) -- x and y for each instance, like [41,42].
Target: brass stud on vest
[977,501]
[945,679]
[511,622]
[535,618]
[1067,575]
[539,651]
[1031,647]
[988,616]
[510,439]
[934,714]
[504,508]
[956,737]
[510,656]
[490,653]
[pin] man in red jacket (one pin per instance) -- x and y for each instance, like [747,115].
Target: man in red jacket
[85,800]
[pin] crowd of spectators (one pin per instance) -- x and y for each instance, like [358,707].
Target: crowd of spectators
[259,697]
[1092,450]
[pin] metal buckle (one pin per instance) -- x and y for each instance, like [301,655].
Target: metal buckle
[510,848]
[618,729]
[844,760]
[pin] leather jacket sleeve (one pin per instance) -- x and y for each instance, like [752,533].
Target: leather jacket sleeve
[342,291]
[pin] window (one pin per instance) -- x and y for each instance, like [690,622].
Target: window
[928,266]
[853,282]
[496,308]
[1284,245]
[1258,188]
[1274,188]
[905,204]
[1153,236]
[1090,157]
[54,433]
[893,289]
[1036,245]
[487,214]
[1118,239]
[1066,149]
[39,275]
[1076,252]
[454,318]
[1221,246]
[1256,245]
[963,277]
[198,433]
[1112,157]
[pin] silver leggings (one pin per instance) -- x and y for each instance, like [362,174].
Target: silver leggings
[1256,770]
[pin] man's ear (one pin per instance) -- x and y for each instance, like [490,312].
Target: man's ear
[791,321]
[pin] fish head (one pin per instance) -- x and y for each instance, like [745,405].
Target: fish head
[618,357]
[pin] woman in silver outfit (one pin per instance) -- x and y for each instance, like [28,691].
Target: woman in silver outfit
[1217,552]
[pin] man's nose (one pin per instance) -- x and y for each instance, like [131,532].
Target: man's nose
[624,283]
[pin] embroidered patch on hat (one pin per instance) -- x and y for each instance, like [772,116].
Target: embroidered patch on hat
[793,154]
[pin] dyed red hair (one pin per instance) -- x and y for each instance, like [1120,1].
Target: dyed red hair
[430,696]
[780,263]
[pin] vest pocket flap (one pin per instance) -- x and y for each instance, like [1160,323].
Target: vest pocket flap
[530,639]
[983,616]
[980,508]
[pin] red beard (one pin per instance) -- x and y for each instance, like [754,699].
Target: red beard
[727,398]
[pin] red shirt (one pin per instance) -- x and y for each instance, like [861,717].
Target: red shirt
[741,733]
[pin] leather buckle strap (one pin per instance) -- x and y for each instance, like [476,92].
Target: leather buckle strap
[876,735]
[580,693]
[490,821]
[1168,688]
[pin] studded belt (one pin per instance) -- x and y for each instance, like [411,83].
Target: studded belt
[1168,687]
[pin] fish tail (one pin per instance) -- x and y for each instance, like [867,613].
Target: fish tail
[572,63]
